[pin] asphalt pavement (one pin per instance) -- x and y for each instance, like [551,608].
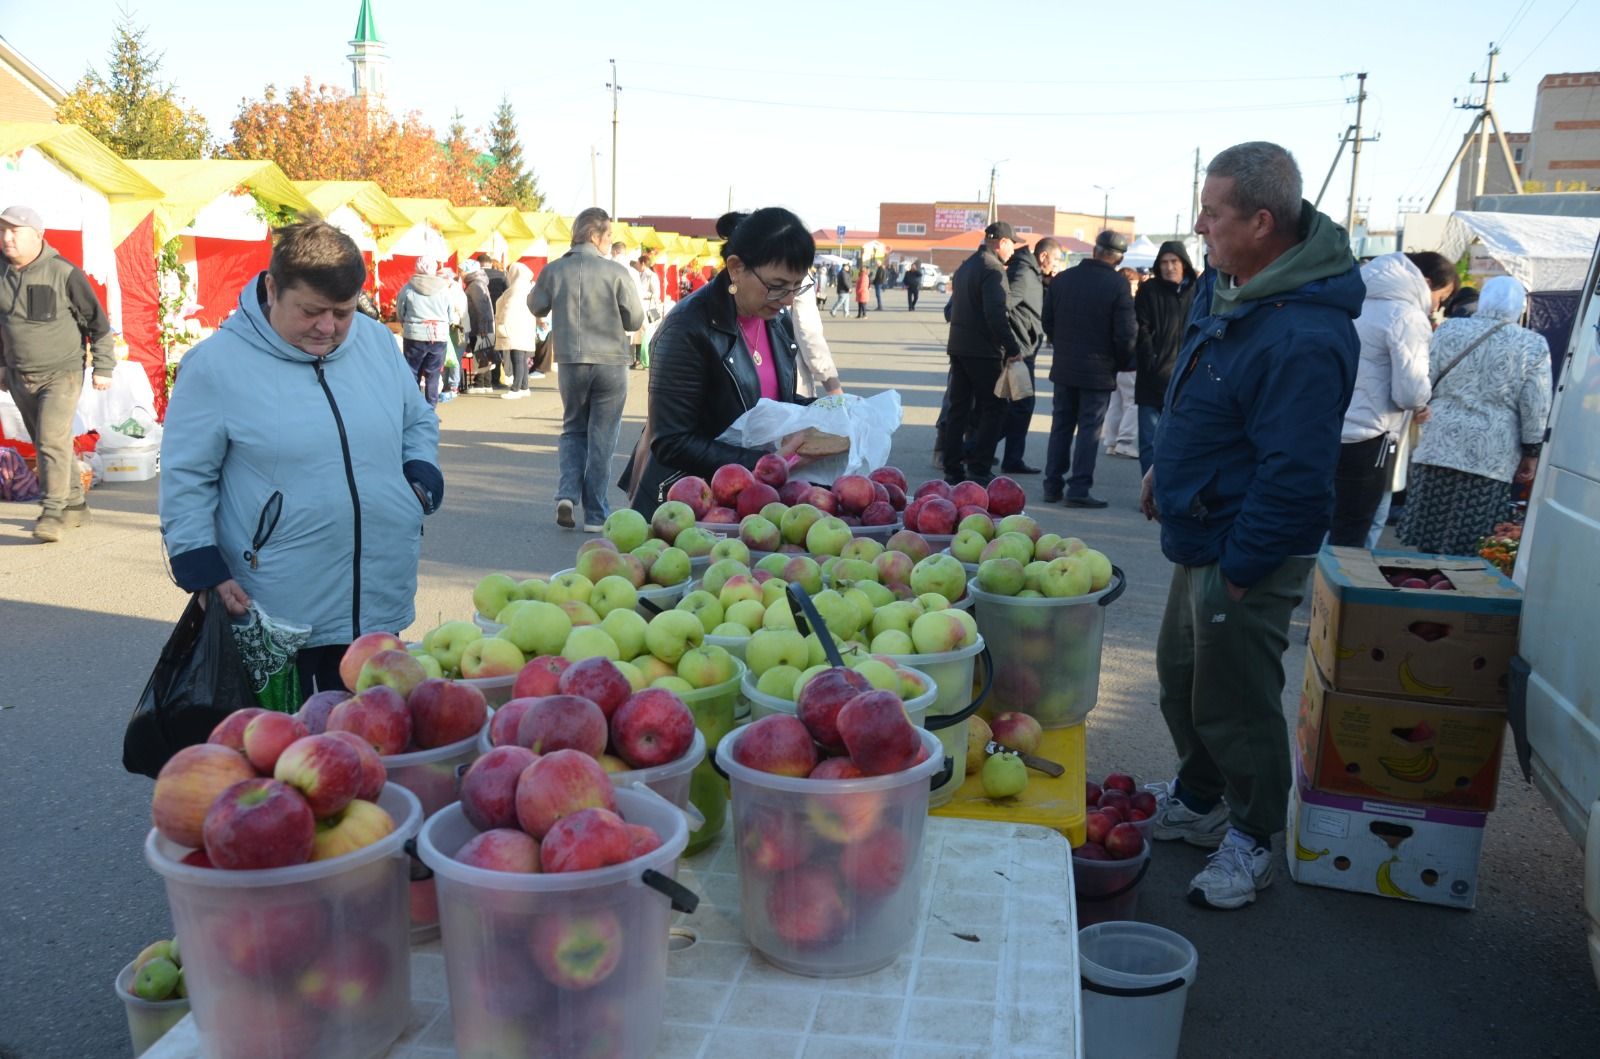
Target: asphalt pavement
[1303,972]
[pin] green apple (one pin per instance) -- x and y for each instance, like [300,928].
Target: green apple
[912,683]
[598,563]
[579,613]
[932,601]
[897,616]
[864,548]
[695,542]
[846,572]
[774,512]
[982,525]
[827,536]
[730,630]
[815,654]
[1010,545]
[430,665]
[671,519]
[673,683]
[779,682]
[509,611]
[880,675]
[718,572]
[730,548]
[707,666]
[590,641]
[1072,546]
[838,615]
[1065,577]
[1048,546]
[797,522]
[802,570]
[447,642]
[770,648]
[647,552]
[937,632]
[806,675]
[569,585]
[532,588]
[1030,593]
[1031,574]
[893,642]
[636,679]
[613,593]
[747,612]
[1099,568]
[1003,577]
[968,545]
[863,605]
[653,668]
[1004,776]
[490,657]
[773,564]
[773,591]
[738,589]
[671,567]
[702,605]
[778,615]
[673,632]
[538,628]
[1022,524]
[627,628]
[941,575]
[626,528]
[878,595]
[492,594]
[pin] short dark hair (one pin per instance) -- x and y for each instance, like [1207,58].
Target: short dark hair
[768,236]
[1436,269]
[1045,246]
[313,253]
[1265,177]
[588,224]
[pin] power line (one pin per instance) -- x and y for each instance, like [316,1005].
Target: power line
[1544,38]
[1516,20]
[903,78]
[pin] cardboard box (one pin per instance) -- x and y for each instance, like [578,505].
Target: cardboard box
[1398,749]
[131,463]
[1414,643]
[1409,852]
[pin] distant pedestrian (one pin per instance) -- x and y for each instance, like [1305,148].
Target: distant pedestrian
[1161,309]
[913,285]
[516,332]
[816,374]
[863,284]
[1028,274]
[1088,315]
[841,290]
[980,344]
[1122,417]
[494,275]
[424,306]
[649,297]
[877,284]
[480,327]
[592,302]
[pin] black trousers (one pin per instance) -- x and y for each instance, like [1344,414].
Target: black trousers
[319,668]
[975,411]
[1019,416]
[1358,487]
[911,298]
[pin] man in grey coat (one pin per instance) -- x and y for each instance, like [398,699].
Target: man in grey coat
[593,303]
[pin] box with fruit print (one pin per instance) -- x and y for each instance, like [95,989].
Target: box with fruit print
[1414,626]
[1405,851]
[1398,749]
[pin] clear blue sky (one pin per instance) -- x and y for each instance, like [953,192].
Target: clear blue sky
[830,108]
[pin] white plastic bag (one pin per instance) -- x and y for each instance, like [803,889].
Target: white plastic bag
[869,423]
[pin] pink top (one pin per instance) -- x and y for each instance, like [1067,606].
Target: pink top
[760,346]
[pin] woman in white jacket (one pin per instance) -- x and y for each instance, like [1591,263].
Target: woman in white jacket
[1403,292]
[515,330]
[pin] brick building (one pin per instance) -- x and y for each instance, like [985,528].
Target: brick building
[693,227]
[946,233]
[26,92]
[1562,153]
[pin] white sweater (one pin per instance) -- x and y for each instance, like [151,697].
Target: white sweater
[1392,378]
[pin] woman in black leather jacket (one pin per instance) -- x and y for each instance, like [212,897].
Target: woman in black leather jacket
[720,350]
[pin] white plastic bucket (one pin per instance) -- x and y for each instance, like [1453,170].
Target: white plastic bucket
[148,1020]
[763,705]
[952,673]
[1136,979]
[434,776]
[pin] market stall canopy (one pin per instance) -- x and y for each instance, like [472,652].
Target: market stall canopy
[363,196]
[437,212]
[488,221]
[1141,254]
[1545,253]
[190,185]
[132,197]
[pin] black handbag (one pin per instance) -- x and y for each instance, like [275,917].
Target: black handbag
[198,680]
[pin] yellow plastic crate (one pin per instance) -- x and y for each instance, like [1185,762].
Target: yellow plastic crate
[1053,803]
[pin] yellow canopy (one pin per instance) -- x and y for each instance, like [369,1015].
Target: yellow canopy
[363,196]
[482,220]
[190,185]
[86,158]
[437,212]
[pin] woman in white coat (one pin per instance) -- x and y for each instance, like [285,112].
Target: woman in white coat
[515,330]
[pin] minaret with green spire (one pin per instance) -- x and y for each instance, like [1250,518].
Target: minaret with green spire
[367,58]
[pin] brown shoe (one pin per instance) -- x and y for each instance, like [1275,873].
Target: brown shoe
[77,514]
[49,528]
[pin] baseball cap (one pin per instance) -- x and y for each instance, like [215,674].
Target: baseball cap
[22,217]
[1109,240]
[1000,230]
[468,267]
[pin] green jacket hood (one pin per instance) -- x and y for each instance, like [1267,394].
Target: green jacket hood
[1322,253]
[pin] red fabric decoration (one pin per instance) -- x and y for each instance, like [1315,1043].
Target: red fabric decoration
[224,268]
[141,308]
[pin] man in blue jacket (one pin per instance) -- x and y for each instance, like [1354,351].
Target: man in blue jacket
[1243,486]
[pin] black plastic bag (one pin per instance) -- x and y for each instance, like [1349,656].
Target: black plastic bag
[198,681]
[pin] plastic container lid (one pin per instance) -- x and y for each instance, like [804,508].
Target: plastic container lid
[1132,955]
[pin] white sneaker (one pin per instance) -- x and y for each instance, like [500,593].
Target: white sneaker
[1173,819]
[1126,450]
[535,374]
[1232,874]
[564,514]
[594,527]
[511,395]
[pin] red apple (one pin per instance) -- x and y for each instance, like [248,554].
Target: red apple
[356,826]
[773,840]
[503,725]
[854,492]
[1097,825]
[1115,813]
[822,499]
[196,858]
[1017,731]
[805,906]
[876,864]
[263,940]
[373,773]
[502,849]
[644,840]
[1006,497]
[1091,796]
[187,786]
[559,784]
[597,680]
[362,648]
[1119,781]
[379,716]
[821,700]
[259,823]
[753,498]
[489,789]
[878,513]
[878,734]
[1143,802]
[911,515]
[445,712]
[777,743]
[652,728]
[398,669]
[890,476]
[896,497]
[348,977]
[267,735]
[722,516]
[577,952]
[932,487]
[970,494]
[910,543]
[694,491]
[1112,798]
[325,770]
[541,676]
[1091,851]
[880,492]
[772,470]
[939,516]
[315,710]
[729,481]
[793,491]
[966,510]
[845,816]
[229,731]
[836,768]
[563,722]
[585,840]
[1124,842]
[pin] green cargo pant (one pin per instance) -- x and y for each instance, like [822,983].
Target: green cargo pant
[47,401]
[1220,664]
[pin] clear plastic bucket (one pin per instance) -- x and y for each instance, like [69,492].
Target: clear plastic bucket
[830,871]
[952,673]
[763,705]
[556,964]
[1135,979]
[1046,651]
[434,776]
[1108,889]
[307,960]
[716,712]
[148,1020]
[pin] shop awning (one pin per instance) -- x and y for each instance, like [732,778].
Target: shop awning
[131,195]
[487,220]
[436,212]
[363,196]
[190,185]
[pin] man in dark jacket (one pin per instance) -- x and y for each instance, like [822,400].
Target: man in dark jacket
[1243,486]
[913,285]
[980,343]
[480,327]
[1088,316]
[1028,275]
[1161,308]
[494,274]
[47,311]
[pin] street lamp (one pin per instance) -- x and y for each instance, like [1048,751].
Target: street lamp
[1105,206]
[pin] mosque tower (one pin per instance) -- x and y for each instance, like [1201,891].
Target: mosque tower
[369,64]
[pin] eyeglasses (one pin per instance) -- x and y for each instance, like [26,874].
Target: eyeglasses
[776,292]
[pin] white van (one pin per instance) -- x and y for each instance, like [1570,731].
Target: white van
[1555,682]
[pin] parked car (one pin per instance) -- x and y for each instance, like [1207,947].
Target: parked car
[933,279]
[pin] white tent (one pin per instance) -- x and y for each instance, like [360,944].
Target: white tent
[1141,254]
[1544,252]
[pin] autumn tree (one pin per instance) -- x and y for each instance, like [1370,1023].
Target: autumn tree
[509,183]
[464,172]
[129,108]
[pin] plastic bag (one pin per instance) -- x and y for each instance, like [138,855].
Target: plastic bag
[268,646]
[198,680]
[868,422]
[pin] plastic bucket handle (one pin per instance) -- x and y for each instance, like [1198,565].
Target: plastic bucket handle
[1120,891]
[945,720]
[683,899]
[1134,991]
[805,613]
[1119,584]
[420,872]
[650,605]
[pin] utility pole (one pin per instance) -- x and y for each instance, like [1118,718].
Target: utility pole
[1352,138]
[994,208]
[1479,132]
[594,174]
[615,88]
[1105,206]
[1194,205]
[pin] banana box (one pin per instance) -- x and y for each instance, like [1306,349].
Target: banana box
[1414,626]
[1398,750]
[1409,852]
